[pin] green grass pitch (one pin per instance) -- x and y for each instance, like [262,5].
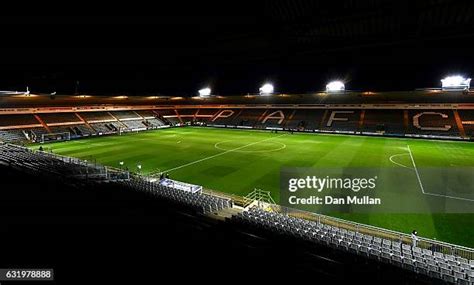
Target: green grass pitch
[237,161]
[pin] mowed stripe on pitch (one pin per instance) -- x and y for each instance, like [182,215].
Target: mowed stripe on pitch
[220,154]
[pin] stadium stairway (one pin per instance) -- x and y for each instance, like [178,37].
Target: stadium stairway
[225,213]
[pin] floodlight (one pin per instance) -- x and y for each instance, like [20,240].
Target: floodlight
[455,82]
[205,92]
[335,86]
[266,89]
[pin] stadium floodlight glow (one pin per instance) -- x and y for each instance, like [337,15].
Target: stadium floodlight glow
[335,86]
[205,92]
[455,82]
[266,89]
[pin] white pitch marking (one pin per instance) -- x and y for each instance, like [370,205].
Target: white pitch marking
[282,146]
[399,164]
[416,170]
[451,197]
[433,194]
[219,154]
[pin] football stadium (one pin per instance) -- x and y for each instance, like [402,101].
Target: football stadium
[238,142]
[222,156]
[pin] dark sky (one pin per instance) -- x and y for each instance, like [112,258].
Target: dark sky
[234,47]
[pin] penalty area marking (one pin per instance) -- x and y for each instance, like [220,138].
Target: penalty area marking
[421,184]
[391,158]
[219,154]
[416,170]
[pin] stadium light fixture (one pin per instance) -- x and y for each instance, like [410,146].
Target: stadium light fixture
[205,92]
[455,82]
[266,89]
[335,86]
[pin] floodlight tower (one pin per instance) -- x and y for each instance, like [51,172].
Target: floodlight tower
[204,92]
[266,89]
[455,82]
[335,86]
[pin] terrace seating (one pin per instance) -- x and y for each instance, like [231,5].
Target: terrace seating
[306,119]
[432,122]
[154,123]
[383,121]
[201,202]
[342,122]
[105,128]
[225,117]
[173,120]
[63,129]
[55,118]
[135,124]
[39,162]
[467,116]
[147,114]
[74,130]
[17,120]
[12,136]
[390,122]
[447,267]
[35,133]
[248,117]
[83,129]
[96,116]
[42,162]
[187,113]
[121,115]
[274,123]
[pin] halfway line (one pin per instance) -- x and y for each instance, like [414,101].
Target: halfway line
[219,154]
[416,170]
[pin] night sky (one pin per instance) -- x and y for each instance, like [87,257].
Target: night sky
[235,47]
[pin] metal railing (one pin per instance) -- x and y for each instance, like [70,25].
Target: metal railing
[105,172]
[423,243]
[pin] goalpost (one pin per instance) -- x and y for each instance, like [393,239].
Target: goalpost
[65,136]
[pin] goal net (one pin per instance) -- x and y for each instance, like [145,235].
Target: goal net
[66,136]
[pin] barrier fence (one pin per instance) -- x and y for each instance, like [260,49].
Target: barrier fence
[107,172]
[423,243]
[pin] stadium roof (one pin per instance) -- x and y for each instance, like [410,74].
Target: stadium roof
[347,97]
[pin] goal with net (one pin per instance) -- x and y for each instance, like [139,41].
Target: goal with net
[54,137]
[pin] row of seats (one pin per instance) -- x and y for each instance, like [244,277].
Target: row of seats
[390,122]
[74,130]
[445,266]
[105,128]
[40,162]
[45,163]
[202,202]
[12,136]
[78,130]
[135,124]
